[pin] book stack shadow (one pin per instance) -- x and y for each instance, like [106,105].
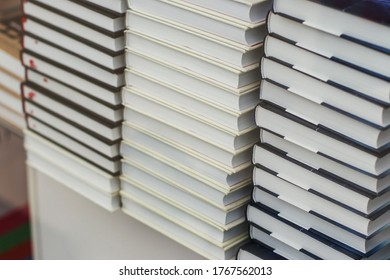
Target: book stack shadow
[11,70]
[73,52]
[192,82]
[322,168]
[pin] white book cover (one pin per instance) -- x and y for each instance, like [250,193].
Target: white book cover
[342,23]
[109,95]
[203,66]
[13,119]
[38,96]
[201,87]
[246,10]
[362,180]
[283,249]
[232,220]
[222,199]
[227,184]
[317,114]
[216,23]
[9,82]
[209,45]
[74,62]
[330,46]
[11,101]
[294,236]
[102,18]
[188,160]
[106,111]
[119,6]
[91,176]
[110,165]
[310,221]
[321,92]
[110,60]
[327,70]
[11,64]
[183,120]
[178,232]
[80,30]
[315,203]
[320,182]
[318,139]
[108,148]
[186,142]
[226,119]
[192,223]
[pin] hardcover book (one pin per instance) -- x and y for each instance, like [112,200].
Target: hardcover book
[217,23]
[199,86]
[333,47]
[366,22]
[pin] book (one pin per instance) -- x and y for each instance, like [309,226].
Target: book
[107,164]
[183,160]
[234,121]
[178,232]
[183,120]
[257,251]
[361,180]
[187,142]
[94,106]
[246,10]
[87,11]
[333,47]
[331,72]
[230,218]
[329,187]
[212,46]
[10,100]
[77,45]
[330,231]
[12,119]
[311,222]
[10,63]
[359,21]
[318,139]
[113,78]
[318,114]
[185,58]
[262,236]
[202,87]
[220,198]
[318,91]
[113,41]
[82,134]
[193,222]
[71,167]
[224,26]
[118,6]
[69,111]
[296,236]
[72,78]
[9,83]
[319,205]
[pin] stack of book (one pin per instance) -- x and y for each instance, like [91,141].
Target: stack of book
[192,83]
[322,172]
[73,52]
[11,70]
